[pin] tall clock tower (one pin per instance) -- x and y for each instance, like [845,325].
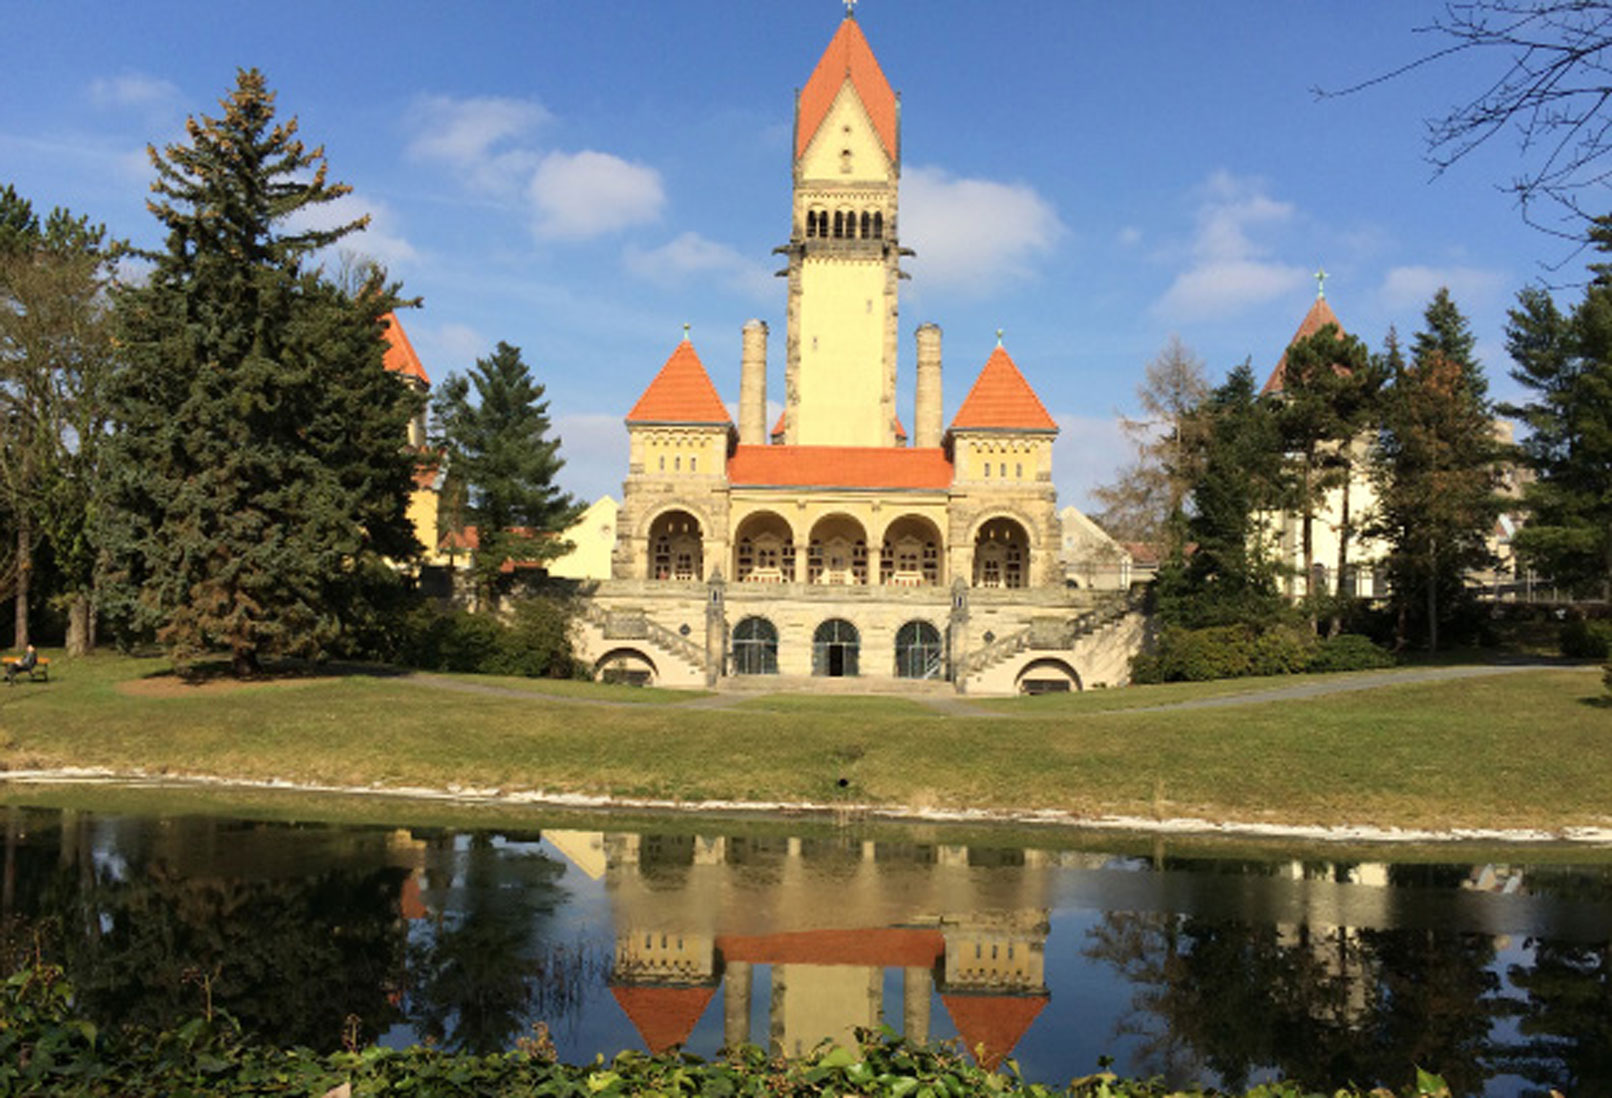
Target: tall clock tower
[844,256]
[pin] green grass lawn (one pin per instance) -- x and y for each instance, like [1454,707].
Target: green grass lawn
[1529,749]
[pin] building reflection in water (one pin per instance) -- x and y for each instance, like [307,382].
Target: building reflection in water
[830,921]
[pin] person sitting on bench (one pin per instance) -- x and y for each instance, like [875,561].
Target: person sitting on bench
[25,665]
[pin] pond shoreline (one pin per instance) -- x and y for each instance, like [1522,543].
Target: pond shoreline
[844,812]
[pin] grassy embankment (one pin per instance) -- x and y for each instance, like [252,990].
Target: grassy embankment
[1529,749]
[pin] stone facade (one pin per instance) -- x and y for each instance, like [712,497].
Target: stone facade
[829,547]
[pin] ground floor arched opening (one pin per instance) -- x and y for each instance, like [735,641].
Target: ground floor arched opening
[676,547]
[836,649]
[1047,676]
[1001,554]
[920,652]
[755,647]
[625,665]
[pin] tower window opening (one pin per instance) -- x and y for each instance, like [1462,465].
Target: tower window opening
[677,463]
[663,463]
[867,226]
[878,225]
[839,224]
[691,462]
[1018,470]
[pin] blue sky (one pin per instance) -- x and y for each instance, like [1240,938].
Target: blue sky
[581,178]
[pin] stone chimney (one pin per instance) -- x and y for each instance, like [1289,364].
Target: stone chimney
[926,427]
[753,385]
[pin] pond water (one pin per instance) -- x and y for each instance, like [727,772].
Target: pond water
[1194,968]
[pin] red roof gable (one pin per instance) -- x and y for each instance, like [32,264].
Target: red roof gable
[681,393]
[848,57]
[400,356]
[1002,399]
[1319,316]
[840,467]
[990,1025]
[663,1016]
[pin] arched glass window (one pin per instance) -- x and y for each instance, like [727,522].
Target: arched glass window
[835,648]
[867,225]
[919,652]
[878,225]
[755,647]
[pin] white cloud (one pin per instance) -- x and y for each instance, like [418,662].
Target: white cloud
[586,194]
[449,348]
[1230,266]
[1413,287]
[478,137]
[1089,452]
[380,240]
[692,256]
[973,234]
[133,90]
[594,446]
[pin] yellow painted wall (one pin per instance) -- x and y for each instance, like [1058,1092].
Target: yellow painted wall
[842,323]
[593,537]
[845,128]
[678,451]
[422,514]
[1004,459]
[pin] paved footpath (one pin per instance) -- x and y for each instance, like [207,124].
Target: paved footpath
[961,706]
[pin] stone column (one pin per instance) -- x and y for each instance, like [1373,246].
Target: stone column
[736,1004]
[916,985]
[716,629]
[926,427]
[753,385]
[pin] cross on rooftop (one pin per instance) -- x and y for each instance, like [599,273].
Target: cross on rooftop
[1320,282]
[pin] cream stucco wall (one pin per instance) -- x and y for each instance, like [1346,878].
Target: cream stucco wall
[842,321]
[592,538]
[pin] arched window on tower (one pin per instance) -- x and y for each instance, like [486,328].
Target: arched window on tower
[867,225]
[839,224]
[878,225]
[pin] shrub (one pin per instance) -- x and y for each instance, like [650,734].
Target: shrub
[535,641]
[1581,639]
[1349,652]
[1193,655]
[1282,650]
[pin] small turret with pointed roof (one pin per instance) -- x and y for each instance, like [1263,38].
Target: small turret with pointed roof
[1319,316]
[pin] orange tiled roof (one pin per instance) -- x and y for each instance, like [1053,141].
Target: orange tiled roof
[681,393]
[663,1016]
[839,467]
[881,947]
[848,57]
[1319,316]
[990,1025]
[1002,399]
[400,356]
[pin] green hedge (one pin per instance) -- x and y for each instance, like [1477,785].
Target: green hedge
[1233,651]
[44,1050]
[534,640]
[1585,639]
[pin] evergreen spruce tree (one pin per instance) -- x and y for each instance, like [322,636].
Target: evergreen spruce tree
[1328,397]
[499,454]
[260,470]
[1230,579]
[1566,360]
[1437,468]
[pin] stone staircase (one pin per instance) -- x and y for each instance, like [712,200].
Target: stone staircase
[1047,634]
[636,626]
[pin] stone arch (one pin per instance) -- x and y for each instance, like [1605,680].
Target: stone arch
[920,651]
[837,551]
[912,553]
[878,225]
[676,546]
[1001,553]
[626,664]
[836,649]
[755,647]
[866,227]
[764,549]
[1047,675]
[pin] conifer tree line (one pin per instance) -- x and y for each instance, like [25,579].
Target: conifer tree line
[1216,472]
[199,442]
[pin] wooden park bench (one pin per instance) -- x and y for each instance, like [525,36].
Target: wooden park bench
[39,672]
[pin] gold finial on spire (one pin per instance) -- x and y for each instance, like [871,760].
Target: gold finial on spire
[999,337]
[1320,283]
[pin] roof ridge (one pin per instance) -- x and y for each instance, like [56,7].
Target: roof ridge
[848,57]
[1318,316]
[400,357]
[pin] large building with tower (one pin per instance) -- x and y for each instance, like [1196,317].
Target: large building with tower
[835,543]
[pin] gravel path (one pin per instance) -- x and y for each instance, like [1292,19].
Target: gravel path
[961,706]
